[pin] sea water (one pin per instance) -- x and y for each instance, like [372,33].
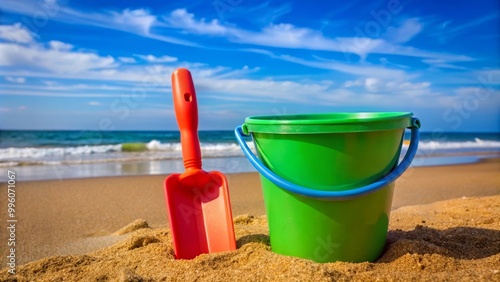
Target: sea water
[37,155]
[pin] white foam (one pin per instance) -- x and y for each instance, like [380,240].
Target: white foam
[104,153]
[476,144]
[38,153]
[154,145]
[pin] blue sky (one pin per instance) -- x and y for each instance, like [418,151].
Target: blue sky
[106,64]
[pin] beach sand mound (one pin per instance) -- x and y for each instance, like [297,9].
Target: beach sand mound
[133,226]
[455,240]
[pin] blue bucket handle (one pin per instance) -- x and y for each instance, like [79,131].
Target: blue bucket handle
[333,195]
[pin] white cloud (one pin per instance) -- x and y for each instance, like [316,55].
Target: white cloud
[128,60]
[69,87]
[284,35]
[405,32]
[16,33]
[396,87]
[152,59]
[399,91]
[60,46]
[280,35]
[220,82]
[59,60]
[15,79]
[49,82]
[37,93]
[401,94]
[363,70]
[4,109]
[53,59]
[447,30]
[471,98]
[456,29]
[22,108]
[256,90]
[372,84]
[488,77]
[94,103]
[275,35]
[220,72]
[228,84]
[442,63]
[479,92]
[139,22]
[139,19]
[150,76]
[351,83]
[180,18]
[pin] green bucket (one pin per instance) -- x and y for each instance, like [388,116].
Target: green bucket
[328,180]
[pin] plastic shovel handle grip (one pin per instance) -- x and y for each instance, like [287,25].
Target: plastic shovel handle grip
[186,113]
[333,195]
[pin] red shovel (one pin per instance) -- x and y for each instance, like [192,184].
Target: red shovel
[197,201]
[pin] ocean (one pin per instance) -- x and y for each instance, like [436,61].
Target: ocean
[39,155]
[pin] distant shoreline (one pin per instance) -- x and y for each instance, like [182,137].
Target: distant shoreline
[39,155]
[165,167]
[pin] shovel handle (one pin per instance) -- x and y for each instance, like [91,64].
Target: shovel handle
[186,113]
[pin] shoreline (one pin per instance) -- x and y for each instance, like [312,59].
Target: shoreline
[227,165]
[76,216]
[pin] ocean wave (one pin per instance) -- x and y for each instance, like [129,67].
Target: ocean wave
[155,145]
[41,152]
[155,150]
[455,145]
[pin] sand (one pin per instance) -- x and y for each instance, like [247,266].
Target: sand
[445,225]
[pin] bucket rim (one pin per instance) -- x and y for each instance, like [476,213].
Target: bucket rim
[333,194]
[327,122]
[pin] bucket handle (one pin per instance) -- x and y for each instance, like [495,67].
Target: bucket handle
[333,195]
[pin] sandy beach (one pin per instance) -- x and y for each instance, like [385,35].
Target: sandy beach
[445,225]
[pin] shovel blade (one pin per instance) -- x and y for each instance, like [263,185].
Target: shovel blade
[200,217]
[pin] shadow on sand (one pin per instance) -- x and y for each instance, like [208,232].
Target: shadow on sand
[457,242]
[253,238]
